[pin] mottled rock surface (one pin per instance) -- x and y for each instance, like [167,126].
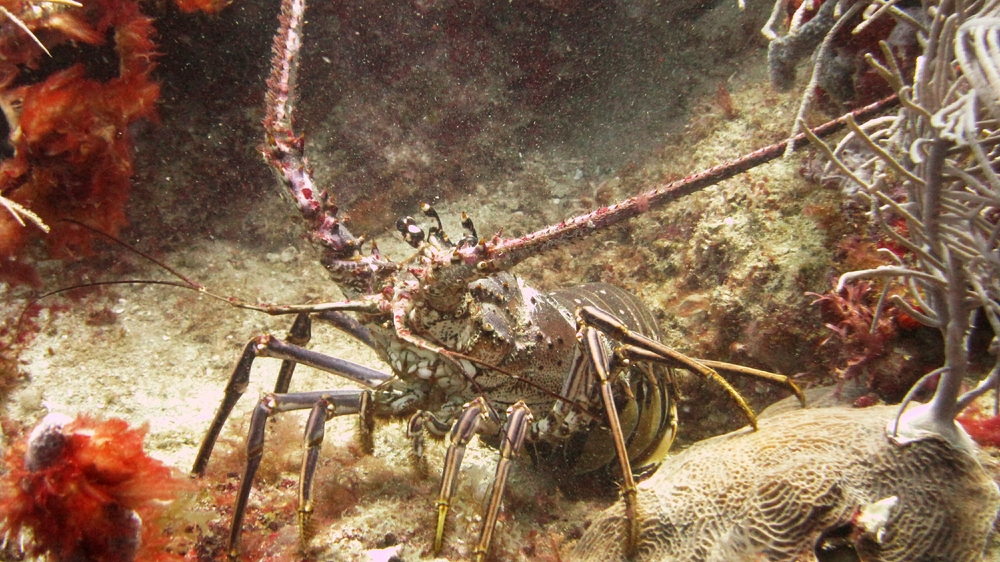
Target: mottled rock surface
[805,482]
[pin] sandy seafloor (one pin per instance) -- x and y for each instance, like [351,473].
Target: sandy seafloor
[725,271]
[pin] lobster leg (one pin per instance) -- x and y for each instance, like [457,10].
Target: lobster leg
[608,324]
[757,373]
[477,419]
[519,419]
[269,346]
[636,353]
[592,322]
[299,334]
[595,348]
[322,411]
[325,405]
[347,324]
[639,354]
[474,420]
[418,424]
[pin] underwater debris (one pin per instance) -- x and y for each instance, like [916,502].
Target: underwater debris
[84,490]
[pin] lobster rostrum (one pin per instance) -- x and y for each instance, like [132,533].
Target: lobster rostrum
[579,376]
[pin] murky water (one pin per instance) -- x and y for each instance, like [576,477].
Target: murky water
[520,116]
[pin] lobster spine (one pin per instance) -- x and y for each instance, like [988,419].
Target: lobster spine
[287,44]
[283,150]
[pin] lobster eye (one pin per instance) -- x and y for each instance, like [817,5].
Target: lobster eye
[410,231]
[402,223]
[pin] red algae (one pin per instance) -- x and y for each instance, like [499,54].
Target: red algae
[85,489]
[70,132]
[983,428]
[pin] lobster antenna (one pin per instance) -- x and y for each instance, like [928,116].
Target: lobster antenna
[186,283]
[190,284]
[34,301]
[503,253]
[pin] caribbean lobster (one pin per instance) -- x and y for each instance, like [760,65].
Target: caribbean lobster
[579,376]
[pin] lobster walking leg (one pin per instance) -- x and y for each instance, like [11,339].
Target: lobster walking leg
[269,346]
[651,350]
[518,420]
[592,322]
[595,348]
[477,419]
[636,353]
[235,388]
[325,405]
[315,431]
[323,411]
[299,334]
[757,374]
[347,324]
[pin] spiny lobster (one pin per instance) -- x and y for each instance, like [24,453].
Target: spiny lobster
[473,350]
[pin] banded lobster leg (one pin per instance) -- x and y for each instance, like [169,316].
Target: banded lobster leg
[291,353]
[478,418]
[324,405]
[595,327]
[593,324]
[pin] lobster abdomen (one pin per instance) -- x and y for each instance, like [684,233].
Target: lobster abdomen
[648,417]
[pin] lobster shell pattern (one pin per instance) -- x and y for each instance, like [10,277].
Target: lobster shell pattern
[518,330]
